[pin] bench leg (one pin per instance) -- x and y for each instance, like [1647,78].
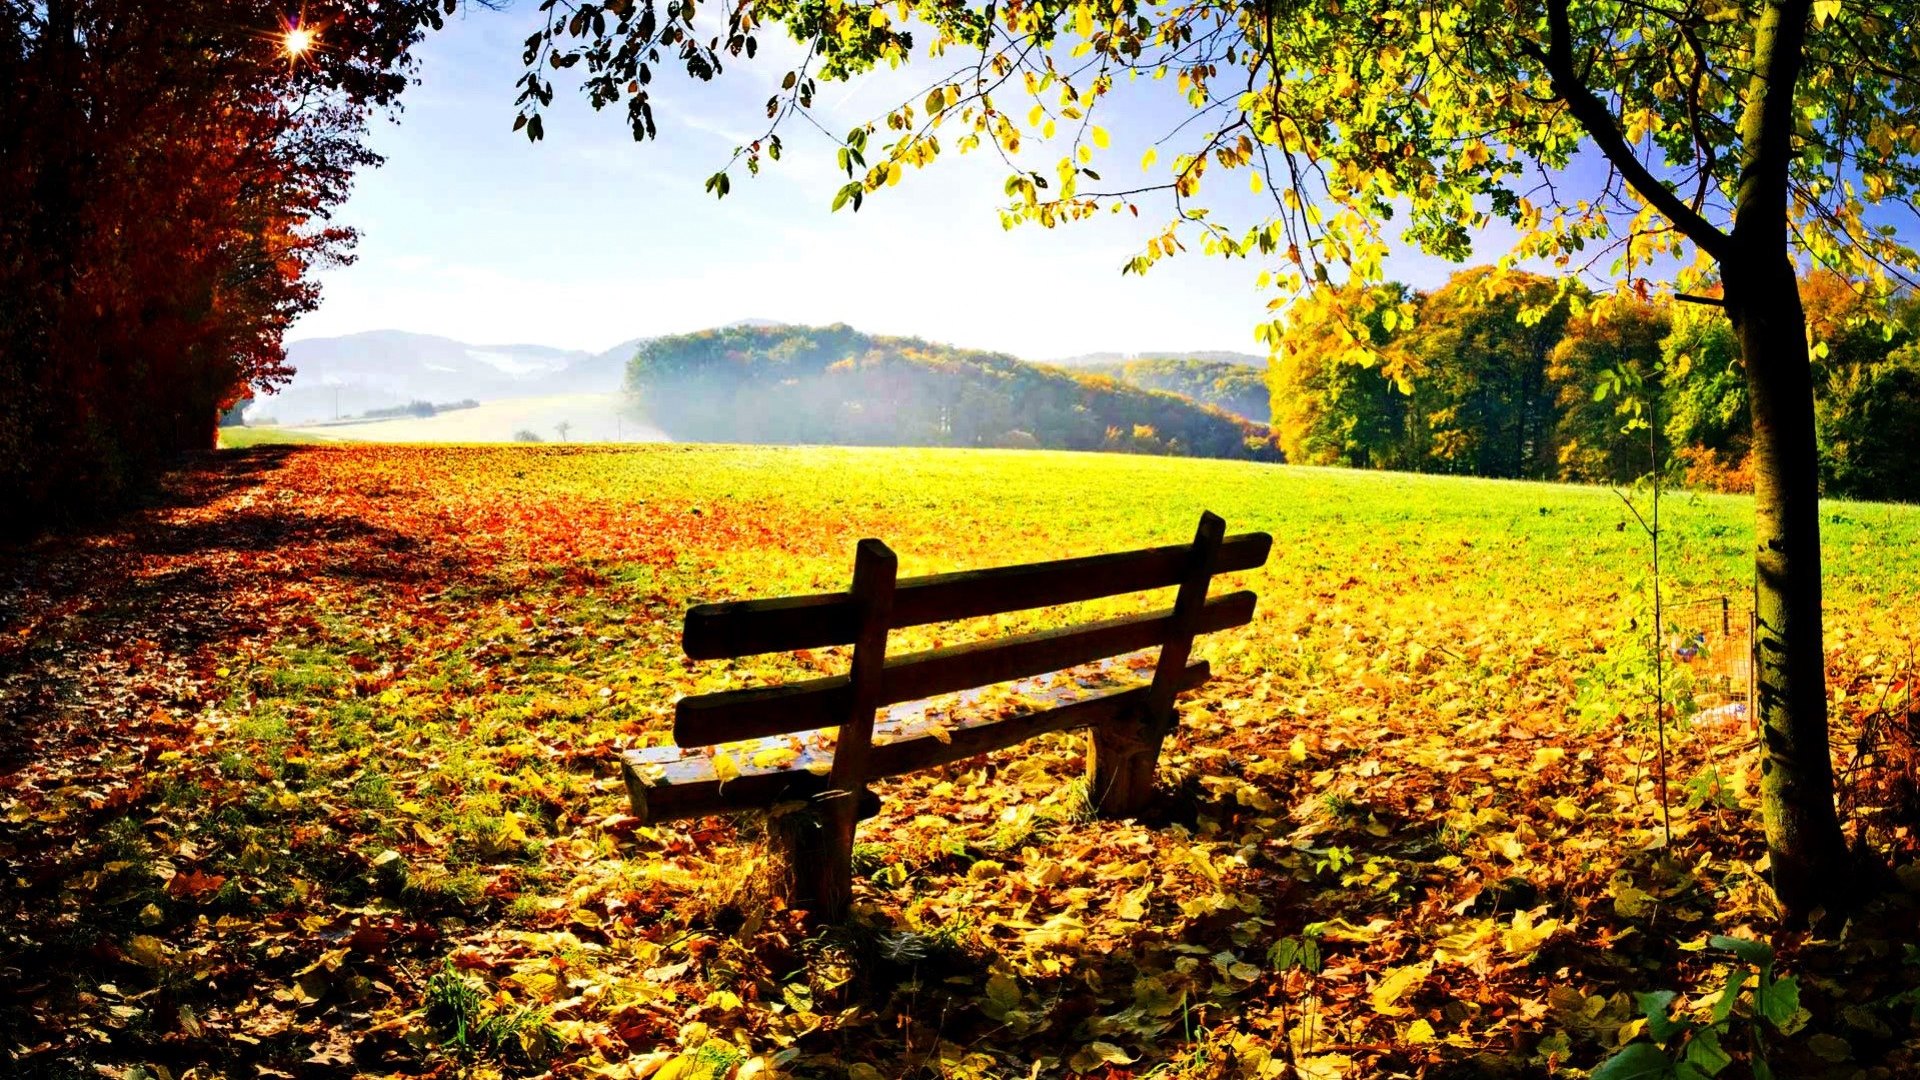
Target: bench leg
[814,873]
[1122,756]
[815,850]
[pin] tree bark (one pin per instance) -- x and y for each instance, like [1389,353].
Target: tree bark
[1804,840]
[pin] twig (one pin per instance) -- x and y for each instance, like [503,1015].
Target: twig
[1659,686]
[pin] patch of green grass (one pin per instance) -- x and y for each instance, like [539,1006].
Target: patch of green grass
[236,438]
[305,672]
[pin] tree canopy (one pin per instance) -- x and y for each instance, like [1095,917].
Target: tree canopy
[168,171]
[1365,123]
[1465,387]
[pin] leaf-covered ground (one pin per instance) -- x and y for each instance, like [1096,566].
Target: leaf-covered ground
[308,769]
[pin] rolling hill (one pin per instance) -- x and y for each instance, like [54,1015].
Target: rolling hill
[538,386]
[836,385]
[1217,356]
[1224,384]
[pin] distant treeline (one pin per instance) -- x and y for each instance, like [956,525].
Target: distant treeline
[1224,384]
[834,384]
[417,408]
[1514,375]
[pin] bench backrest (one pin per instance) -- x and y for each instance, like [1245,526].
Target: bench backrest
[879,602]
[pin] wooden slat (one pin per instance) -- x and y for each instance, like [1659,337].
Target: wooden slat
[732,715]
[747,627]
[668,783]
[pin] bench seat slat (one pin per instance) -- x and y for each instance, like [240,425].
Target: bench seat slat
[733,715]
[667,783]
[747,627]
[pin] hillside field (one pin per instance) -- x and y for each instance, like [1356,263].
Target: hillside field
[320,779]
[589,418]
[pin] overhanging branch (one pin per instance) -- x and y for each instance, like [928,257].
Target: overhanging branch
[1597,119]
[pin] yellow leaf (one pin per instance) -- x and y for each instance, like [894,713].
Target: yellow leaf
[1324,1067]
[1133,906]
[1099,136]
[1096,1054]
[773,757]
[148,951]
[1525,936]
[1396,984]
[1419,1032]
[686,1065]
[724,767]
[1147,159]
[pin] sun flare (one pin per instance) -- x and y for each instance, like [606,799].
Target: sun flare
[298,40]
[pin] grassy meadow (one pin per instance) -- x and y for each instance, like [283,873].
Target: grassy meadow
[331,784]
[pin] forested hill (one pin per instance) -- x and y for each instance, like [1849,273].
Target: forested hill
[1225,384]
[834,384]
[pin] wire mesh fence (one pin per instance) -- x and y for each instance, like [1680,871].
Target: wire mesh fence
[1709,642]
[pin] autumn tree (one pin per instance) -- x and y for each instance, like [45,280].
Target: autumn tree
[1707,418]
[1485,398]
[167,170]
[1741,138]
[1619,338]
[1866,390]
[1341,387]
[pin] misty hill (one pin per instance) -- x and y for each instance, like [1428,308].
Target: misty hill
[383,369]
[1218,356]
[1232,386]
[386,369]
[835,384]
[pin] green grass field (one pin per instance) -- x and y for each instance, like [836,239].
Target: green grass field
[239,438]
[1428,755]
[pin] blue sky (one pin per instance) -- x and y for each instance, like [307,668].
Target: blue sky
[588,239]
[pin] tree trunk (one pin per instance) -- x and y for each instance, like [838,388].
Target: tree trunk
[1762,300]
[1804,840]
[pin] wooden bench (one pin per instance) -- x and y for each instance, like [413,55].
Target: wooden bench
[790,757]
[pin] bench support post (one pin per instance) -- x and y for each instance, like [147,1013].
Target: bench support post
[823,876]
[1124,753]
